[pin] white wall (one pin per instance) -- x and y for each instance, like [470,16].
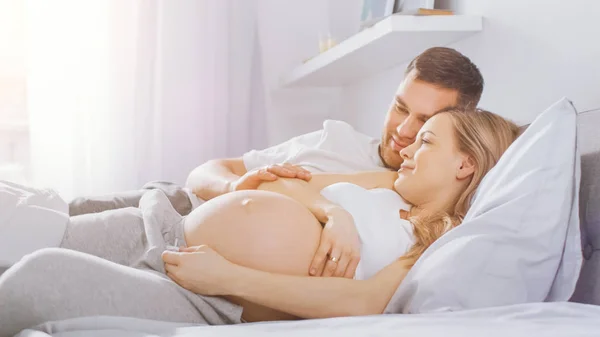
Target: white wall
[209,83]
[531,53]
[289,32]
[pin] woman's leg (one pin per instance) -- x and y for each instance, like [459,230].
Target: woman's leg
[55,284]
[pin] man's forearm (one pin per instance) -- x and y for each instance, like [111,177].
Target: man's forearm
[210,180]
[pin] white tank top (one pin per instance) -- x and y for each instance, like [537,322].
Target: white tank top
[384,236]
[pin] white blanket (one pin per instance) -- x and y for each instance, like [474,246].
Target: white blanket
[534,319]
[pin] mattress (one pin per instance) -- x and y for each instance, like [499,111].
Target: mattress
[534,319]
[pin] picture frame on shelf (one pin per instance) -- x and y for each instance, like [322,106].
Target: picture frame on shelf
[374,11]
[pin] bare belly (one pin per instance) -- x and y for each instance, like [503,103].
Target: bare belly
[260,230]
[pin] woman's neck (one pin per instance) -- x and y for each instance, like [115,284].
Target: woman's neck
[443,204]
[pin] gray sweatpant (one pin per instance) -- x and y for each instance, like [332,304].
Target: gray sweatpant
[100,203]
[108,264]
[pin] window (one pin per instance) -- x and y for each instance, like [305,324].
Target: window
[14,129]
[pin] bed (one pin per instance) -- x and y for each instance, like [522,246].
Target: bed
[535,319]
[579,317]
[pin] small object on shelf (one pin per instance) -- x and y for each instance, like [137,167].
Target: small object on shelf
[326,42]
[408,5]
[425,11]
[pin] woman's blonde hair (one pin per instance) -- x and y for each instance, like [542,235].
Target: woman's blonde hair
[482,135]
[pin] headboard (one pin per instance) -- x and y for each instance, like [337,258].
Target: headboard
[588,286]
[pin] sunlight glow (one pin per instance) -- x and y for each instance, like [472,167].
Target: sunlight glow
[67,78]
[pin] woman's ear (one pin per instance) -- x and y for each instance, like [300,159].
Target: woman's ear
[466,169]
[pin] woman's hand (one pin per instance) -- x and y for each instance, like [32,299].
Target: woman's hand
[200,269]
[339,250]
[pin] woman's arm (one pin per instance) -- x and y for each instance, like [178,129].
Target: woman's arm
[338,253]
[319,297]
[205,272]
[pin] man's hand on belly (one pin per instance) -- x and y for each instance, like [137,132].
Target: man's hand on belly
[252,179]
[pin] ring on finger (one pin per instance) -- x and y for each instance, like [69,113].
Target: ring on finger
[333,259]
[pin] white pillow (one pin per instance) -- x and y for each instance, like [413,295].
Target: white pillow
[510,247]
[30,219]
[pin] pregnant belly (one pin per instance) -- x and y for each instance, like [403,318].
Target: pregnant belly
[260,230]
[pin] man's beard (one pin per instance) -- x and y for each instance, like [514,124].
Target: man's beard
[390,158]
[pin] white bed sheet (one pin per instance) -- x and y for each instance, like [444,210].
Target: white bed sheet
[534,319]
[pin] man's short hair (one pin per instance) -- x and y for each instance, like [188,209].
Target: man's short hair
[447,68]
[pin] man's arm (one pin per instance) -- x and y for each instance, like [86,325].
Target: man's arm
[221,176]
[215,177]
[298,189]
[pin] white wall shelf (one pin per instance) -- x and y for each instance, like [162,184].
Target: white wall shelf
[390,42]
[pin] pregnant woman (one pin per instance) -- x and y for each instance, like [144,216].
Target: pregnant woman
[254,248]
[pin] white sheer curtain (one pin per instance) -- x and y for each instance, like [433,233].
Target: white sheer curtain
[124,92]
